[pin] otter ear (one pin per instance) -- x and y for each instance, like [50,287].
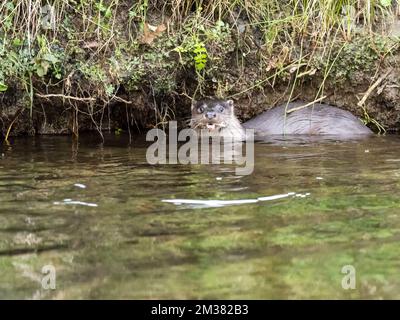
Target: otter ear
[230,104]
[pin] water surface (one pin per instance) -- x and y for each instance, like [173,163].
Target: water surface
[111,226]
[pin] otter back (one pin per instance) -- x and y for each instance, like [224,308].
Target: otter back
[318,119]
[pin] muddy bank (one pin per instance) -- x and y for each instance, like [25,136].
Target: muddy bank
[138,67]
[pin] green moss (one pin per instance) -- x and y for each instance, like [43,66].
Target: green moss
[103,48]
[356,58]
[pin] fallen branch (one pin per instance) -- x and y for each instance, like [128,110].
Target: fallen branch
[306,105]
[47,96]
[119,99]
[373,87]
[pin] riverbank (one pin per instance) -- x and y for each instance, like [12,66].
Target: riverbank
[107,65]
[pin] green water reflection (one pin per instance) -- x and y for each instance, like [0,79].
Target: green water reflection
[129,244]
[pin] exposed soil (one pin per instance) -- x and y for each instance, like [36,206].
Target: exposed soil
[236,64]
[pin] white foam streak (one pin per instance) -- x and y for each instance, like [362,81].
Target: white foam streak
[75,202]
[223,203]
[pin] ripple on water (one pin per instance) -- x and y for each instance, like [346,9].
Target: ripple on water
[135,231]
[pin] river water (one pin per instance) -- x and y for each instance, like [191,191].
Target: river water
[111,226]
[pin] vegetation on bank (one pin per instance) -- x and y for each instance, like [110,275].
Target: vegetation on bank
[104,64]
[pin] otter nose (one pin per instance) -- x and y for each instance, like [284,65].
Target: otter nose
[210,115]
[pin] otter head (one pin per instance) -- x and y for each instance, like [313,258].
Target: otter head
[212,114]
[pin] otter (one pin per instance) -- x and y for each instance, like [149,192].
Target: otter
[216,117]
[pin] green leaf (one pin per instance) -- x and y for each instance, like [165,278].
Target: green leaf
[10,6]
[109,90]
[40,71]
[219,24]
[50,57]
[180,49]
[45,65]
[3,87]
[200,57]
[17,42]
[108,13]
[386,3]
[199,48]
[200,66]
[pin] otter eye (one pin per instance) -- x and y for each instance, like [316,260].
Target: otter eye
[200,109]
[221,109]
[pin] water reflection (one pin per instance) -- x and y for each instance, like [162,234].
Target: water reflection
[284,231]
